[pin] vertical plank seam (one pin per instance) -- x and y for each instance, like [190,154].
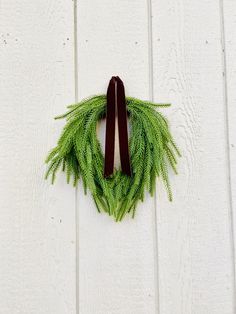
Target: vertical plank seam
[76,190]
[154,224]
[226,114]
[75,51]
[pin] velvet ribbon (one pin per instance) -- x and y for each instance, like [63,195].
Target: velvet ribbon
[116,103]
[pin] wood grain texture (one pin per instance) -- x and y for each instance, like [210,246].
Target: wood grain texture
[37,229]
[229,20]
[181,52]
[116,260]
[195,252]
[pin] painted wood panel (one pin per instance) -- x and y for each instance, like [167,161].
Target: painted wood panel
[229,23]
[174,257]
[195,250]
[116,260]
[37,229]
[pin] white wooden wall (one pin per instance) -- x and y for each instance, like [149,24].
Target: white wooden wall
[57,254]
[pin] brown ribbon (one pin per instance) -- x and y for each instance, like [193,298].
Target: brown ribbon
[116,99]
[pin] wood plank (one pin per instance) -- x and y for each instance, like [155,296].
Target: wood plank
[195,253]
[37,231]
[116,260]
[229,20]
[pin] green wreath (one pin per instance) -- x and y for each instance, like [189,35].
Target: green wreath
[79,154]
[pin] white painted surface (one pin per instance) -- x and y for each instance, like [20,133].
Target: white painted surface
[37,220]
[180,263]
[229,19]
[195,253]
[116,260]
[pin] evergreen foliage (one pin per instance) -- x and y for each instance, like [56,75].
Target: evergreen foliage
[79,154]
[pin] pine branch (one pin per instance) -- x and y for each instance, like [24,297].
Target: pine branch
[79,152]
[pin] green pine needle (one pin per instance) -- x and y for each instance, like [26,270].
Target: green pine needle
[79,153]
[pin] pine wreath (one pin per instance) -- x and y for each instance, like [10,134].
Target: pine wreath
[79,154]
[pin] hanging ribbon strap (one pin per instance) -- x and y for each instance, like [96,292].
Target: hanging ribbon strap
[116,99]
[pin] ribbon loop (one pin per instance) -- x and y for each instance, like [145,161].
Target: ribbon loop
[116,100]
